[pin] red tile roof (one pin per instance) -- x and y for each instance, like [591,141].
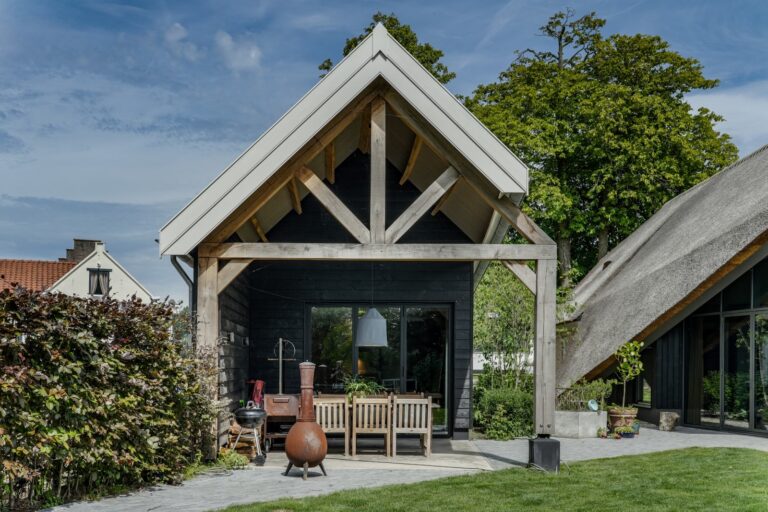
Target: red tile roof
[33,275]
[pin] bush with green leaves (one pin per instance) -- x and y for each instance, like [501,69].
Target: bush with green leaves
[505,413]
[95,395]
[578,396]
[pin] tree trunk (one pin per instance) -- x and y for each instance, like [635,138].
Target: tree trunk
[602,243]
[564,260]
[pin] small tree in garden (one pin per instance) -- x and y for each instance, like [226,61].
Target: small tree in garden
[630,365]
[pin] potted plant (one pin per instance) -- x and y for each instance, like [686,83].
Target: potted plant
[630,366]
[361,388]
[627,432]
[636,427]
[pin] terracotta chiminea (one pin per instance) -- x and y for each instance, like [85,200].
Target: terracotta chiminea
[306,444]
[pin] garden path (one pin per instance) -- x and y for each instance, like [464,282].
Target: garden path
[224,488]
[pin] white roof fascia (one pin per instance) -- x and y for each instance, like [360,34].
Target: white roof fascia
[378,55]
[456,123]
[257,155]
[239,191]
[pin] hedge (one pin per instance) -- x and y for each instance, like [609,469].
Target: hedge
[95,395]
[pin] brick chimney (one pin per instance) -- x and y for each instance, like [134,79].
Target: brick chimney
[81,249]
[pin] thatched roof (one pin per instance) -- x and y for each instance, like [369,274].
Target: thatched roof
[691,243]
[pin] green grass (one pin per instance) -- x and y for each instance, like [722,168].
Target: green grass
[689,479]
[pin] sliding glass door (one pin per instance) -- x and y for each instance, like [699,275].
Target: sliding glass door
[761,371]
[415,360]
[736,375]
[726,362]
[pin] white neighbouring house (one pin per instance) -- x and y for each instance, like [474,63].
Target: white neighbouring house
[87,270]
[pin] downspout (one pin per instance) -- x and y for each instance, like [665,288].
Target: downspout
[185,277]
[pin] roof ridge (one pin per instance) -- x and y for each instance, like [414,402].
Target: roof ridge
[24,260]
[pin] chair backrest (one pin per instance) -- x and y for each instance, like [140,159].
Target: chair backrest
[371,414]
[332,413]
[411,414]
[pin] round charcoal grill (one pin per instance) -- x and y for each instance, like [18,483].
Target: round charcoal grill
[251,418]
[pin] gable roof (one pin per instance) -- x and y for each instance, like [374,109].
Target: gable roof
[378,56]
[100,250]
[689,245]
[34,275]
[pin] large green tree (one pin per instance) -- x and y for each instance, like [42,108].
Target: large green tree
[428,55]
[605,127]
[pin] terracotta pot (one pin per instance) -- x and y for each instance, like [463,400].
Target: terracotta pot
[306,445]
[621,417]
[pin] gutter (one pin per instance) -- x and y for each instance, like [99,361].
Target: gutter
[185,277]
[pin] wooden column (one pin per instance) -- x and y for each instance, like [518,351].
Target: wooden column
[545,347]
[208,331]
[378,170]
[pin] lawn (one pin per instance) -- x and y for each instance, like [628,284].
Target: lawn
[689,479]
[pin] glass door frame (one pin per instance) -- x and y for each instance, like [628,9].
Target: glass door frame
[355,305]
[751,314]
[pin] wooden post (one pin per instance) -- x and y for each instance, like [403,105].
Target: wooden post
[208,333]
[378,170]
[544,355]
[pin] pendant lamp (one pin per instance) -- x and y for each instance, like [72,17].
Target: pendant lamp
[372,327]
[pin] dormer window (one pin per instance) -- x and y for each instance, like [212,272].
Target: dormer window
[98,281]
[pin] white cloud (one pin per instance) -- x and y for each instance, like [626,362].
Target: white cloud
[745,109]
[238,55]
[176,41]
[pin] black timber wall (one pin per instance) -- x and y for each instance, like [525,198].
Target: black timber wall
[234,325]
[281,292]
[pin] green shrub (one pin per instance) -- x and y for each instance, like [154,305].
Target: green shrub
[95,395]
[578,396]
[505,413]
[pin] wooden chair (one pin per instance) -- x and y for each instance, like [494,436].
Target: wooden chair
[412,416]
[371,416]
[332,414]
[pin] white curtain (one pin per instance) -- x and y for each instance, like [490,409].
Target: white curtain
[104,282]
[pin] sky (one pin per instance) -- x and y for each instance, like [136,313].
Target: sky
[114,115]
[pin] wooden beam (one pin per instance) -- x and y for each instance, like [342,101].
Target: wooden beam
[415,150]
[505,206]
[365,132]
[293,188]
[378,170]
[334,205]
[437,189]
[229,272]
[330,163]
[310,150]
[259,230]
[441,202]
[207,331]
[523,273]
[267,191]
[494,234]
[378,252]
[545,348]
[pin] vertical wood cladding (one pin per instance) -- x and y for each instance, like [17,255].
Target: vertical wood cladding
[668,379]
[234,311]
[279,294]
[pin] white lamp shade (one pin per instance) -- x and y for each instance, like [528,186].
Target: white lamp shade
[371,330]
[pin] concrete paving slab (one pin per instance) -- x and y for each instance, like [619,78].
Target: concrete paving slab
[371,468]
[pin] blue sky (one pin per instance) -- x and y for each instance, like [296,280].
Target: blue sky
[115,114]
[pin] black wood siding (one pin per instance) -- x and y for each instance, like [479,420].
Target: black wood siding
[667,390]
[281,292]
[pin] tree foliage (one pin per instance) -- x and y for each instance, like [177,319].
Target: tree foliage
[94,394]
[504,327]
[604,125]
[425,53]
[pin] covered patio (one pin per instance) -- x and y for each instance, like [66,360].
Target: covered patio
[378,189]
